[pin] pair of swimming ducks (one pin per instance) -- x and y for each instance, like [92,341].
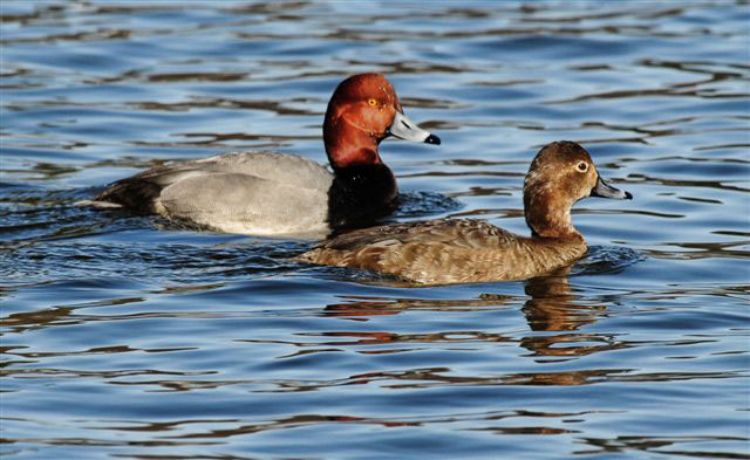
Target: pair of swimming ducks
[277,194]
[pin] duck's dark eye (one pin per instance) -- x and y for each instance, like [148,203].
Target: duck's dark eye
[583,166]
[373,102]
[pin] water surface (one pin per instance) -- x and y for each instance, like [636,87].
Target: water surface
[129,337]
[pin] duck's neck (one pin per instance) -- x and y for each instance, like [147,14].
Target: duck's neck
[548,216]
[363,188]
[348,144]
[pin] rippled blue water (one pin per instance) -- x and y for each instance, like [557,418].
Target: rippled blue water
[129,337]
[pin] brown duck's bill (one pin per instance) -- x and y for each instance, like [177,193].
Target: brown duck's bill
[604,190]
[403,128]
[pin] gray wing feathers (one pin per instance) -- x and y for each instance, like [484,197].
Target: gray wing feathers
[279,167]
[260,193]
[240,203]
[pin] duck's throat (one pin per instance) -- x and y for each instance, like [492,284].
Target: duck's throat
[549,217]
[350,145]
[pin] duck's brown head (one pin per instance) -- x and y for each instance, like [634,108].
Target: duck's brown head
[363,111]
[561,174]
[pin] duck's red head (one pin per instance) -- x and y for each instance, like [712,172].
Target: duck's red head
[363,111]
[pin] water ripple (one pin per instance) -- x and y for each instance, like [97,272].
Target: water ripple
[132,337]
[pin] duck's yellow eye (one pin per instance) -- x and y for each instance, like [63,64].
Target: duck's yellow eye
[373,102]
[583,166]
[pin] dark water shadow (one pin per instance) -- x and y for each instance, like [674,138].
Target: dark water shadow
[421,204]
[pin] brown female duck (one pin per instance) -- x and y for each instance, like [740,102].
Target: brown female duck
[464,251]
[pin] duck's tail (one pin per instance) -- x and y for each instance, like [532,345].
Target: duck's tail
[135,193]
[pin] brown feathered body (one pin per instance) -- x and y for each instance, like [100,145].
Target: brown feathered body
[447,251]
[463,251]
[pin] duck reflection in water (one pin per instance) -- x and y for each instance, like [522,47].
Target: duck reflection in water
[553,311]
[550,307]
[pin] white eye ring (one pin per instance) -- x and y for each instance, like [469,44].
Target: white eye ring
[582,166]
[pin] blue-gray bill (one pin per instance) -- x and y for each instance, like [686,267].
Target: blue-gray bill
[403,128]
[604,190]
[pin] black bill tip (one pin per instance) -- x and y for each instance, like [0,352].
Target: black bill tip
[432,139]
[628,196]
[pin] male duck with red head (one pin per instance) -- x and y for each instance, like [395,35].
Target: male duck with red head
[280,194]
